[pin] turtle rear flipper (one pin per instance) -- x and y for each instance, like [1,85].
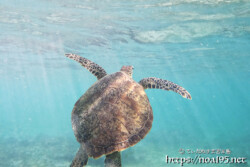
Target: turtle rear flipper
[157,83]
[113,160]
[94,68]
[81,158]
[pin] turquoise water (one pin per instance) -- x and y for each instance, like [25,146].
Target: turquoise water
[203,46]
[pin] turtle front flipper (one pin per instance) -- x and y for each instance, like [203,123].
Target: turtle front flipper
[94,68]
[81,158]
[157,83]
[113,160]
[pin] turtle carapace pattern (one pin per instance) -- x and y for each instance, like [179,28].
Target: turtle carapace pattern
[114,113]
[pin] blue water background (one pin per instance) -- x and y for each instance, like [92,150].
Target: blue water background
[203,46]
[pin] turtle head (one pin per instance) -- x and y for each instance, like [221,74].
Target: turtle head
[128,70]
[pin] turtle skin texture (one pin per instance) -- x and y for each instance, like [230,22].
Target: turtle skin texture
[112,115]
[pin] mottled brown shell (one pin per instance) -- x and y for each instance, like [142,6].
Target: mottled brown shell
[112,115]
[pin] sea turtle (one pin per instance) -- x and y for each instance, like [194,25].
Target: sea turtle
[114,113]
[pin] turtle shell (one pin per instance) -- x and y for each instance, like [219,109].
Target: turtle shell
[112,115]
